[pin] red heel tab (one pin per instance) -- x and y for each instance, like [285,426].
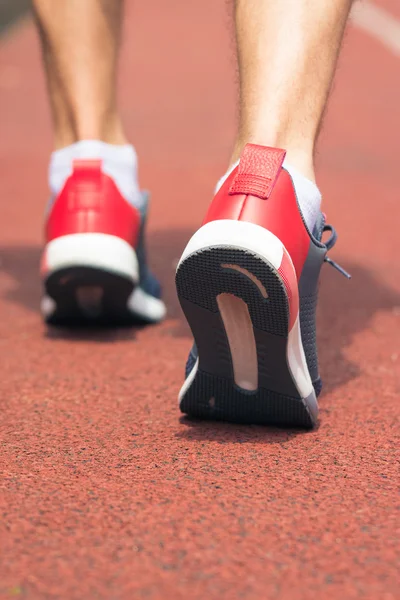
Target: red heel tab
[90,202]
[258,171]
[87,168]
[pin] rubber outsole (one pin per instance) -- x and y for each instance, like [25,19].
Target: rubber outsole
[63,286]
[213,393]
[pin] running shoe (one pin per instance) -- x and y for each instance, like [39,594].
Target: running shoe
[94,266]
[247,283]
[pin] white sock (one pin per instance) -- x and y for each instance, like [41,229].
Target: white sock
[308,194]
[119,162]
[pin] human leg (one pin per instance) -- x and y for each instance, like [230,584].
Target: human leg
[94,265]
[80,43]
[287,54]
[248,278]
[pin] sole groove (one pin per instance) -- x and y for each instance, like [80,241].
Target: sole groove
[213,394]
[65,288]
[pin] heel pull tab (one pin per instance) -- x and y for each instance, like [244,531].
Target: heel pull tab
[87,190]
[87,168]
[258,170]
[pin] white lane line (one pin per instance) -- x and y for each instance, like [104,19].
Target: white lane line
[378,23]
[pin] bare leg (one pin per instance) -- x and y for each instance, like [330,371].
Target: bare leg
[287,52]
[80,40]
[265,225]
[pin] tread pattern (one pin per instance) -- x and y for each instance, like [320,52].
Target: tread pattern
[213,394]
[215,398]
[62,285]
[201,278]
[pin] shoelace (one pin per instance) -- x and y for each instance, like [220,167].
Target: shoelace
[329,245]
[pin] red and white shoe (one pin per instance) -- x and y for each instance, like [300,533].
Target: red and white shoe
[237,283]
[94,265]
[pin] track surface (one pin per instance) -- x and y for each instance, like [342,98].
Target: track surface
[106,492]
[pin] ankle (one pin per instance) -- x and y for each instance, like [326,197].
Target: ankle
[118,162]
[108,130]
[301,158]
[302,162]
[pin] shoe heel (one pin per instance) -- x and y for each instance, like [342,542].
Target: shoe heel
[87,275]
[251,366]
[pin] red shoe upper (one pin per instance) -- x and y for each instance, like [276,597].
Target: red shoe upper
[260,191]
[90,202]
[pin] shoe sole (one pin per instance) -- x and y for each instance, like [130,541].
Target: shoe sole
[251,368]
[93,279]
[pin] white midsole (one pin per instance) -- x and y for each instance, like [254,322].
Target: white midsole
[100,251]
[239,235]
[297,361]
[188,381]
[146,306]
[97,250]
[245,236]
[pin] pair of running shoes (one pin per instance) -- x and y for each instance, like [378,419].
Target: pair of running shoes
[247,283]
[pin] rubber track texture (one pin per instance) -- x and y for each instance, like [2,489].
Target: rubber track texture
[213,394]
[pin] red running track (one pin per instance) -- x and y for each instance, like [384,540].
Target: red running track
[105,492]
